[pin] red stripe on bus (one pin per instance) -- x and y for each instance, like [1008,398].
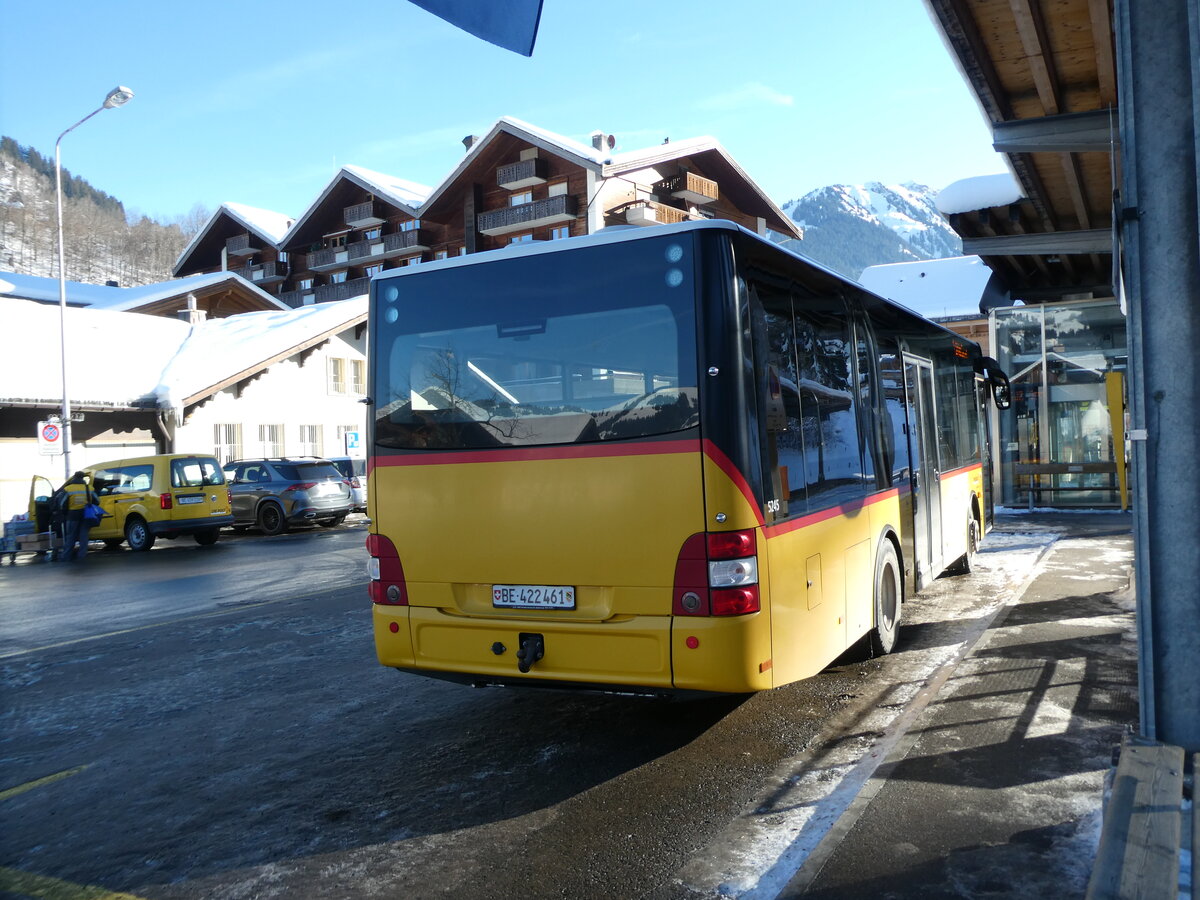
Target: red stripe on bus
[725,464]
[529,454]
[772,531]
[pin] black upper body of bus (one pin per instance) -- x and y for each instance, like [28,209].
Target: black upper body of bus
[696,331]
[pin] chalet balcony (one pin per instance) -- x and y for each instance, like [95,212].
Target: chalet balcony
[328,258]
[327,293]
[299,298]
[362,215]
[551,211]
[267,273]
[523,174]
[399,244]
[690,187]
[647,212]
[241,245]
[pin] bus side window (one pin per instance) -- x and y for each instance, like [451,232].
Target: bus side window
[891,382]
[831,429]
[784,456]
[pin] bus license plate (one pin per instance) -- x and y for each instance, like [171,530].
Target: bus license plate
[533,596]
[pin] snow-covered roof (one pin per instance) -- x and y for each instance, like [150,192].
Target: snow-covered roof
[584,154]
[936,288]
[101,296]
[396,190]
[979,192]
[660,153]
[269,225]
[404,195]
[219,349]
[175,363]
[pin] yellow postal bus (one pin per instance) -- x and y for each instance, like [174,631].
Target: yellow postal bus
[667,459]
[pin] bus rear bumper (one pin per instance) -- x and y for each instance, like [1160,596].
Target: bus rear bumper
[632,653]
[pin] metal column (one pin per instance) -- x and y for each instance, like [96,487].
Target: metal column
[1158,56]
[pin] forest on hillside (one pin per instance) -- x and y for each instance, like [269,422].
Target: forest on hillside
[102,240]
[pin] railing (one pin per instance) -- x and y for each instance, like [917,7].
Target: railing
[525,173]
[266,272]
[239,245]
[412,241]
[343,290]
[689,186]
[550,211]
[648,212]
[369,213]
[294,299]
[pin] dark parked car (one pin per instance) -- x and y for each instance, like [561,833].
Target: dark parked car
[276,493]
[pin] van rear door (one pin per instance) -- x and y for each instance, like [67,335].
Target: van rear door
[198,489]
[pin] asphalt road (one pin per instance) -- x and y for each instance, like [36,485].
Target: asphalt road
[211,722]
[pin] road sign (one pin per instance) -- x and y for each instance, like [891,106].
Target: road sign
[352,442]
[50,438]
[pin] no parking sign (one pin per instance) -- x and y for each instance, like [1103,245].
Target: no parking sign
[50,438]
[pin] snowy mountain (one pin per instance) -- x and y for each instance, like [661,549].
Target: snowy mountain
[849,227]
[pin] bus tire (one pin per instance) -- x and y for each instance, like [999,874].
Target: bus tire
[889,598]
[965,564]
[137,534]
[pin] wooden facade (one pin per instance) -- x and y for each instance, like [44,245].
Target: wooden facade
[513,185]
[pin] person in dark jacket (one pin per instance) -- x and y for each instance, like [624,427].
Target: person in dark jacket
[77,494]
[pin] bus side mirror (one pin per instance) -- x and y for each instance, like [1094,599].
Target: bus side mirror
[1002,392]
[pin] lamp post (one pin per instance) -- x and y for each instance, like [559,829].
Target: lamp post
[118,96]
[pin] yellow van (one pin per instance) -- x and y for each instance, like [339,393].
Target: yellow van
[168,496]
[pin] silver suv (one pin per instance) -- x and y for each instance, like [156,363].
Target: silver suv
[276,493]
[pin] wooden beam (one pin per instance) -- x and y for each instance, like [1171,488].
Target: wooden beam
[1102,42]
[1032,30]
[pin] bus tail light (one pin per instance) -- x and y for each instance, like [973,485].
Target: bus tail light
[166,501]
[387,585]
[735,601]
[716,574]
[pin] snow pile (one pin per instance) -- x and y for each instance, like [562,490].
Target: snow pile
[980,192]
[932,287]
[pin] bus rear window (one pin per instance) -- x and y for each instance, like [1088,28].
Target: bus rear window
[551,348]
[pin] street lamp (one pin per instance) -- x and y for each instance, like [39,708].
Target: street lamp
[118,96]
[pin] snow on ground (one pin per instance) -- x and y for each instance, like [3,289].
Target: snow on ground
[757,854]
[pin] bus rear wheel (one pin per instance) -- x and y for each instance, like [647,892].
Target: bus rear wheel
[889,597]
[965,564]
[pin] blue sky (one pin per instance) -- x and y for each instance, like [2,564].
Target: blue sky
[259,103]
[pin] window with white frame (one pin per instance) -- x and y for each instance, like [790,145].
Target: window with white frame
[520,198]
[373,270]
[462,251]
[337,375]
[559,187]
[282,256]
[440,254]
[358,376]
[306,284]
[558,232]
[227,442]
[410,225]
[311,440]
[525,238]
[337,277]
[372,234]
[270,439]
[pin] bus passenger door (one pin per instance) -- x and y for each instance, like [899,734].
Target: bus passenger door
[926,489]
